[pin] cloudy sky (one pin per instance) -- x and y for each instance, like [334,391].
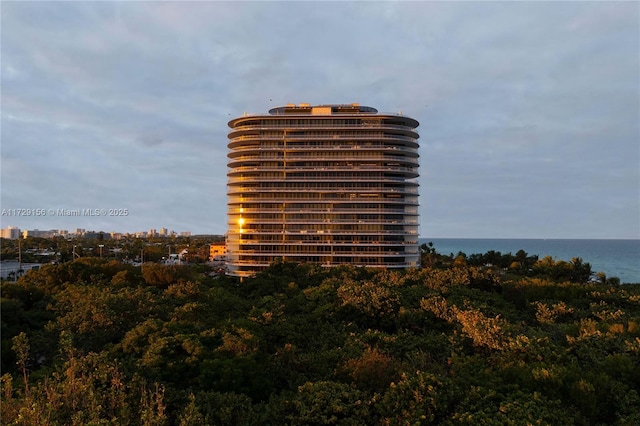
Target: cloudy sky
[529,112]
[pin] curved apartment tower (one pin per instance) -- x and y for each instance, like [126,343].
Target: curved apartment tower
[332,184]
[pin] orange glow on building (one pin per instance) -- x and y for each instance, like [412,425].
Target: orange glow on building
[332,184]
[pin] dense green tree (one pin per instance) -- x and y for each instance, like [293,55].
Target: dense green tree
[96,341]
[416,399]
[320,403]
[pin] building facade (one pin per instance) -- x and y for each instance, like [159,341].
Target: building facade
[10,232]
[217,252]
[332,184]
[37,233]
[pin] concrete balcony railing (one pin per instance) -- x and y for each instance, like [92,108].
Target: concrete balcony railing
[294,160]
[341,149]
[330,210]
[403,265]
[327,236]
[329,137]
[315,125]
[326,194]
[389,202]
[239,180]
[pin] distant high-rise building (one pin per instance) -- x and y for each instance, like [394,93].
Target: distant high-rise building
[37,233]
[10,232]
[332,184]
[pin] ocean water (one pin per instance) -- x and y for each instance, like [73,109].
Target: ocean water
[616,258]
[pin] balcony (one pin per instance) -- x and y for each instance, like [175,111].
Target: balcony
[315,124]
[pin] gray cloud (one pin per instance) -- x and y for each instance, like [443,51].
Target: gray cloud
[528,111]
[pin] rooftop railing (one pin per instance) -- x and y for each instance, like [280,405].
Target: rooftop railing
[319,137]
[314,123]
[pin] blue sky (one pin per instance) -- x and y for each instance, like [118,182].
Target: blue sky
[529,112]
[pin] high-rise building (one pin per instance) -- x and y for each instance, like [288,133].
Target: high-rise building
[10,232]
[38,233]
[332,184]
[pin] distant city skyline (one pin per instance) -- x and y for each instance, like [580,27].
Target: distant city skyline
[528,110]
[12,232]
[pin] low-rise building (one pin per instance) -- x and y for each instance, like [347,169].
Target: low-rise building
[217,252]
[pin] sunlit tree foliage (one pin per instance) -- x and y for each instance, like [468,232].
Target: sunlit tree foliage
[481,339]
